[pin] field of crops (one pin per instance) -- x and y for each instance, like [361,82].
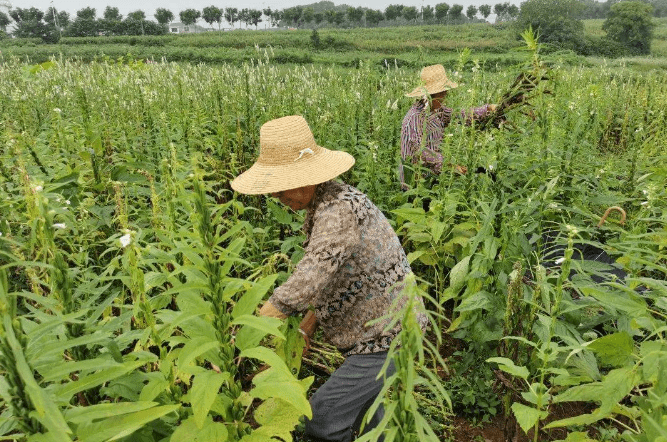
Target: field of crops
[130,272]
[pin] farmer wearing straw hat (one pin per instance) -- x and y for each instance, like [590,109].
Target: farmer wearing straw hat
[423,125]
[352,271]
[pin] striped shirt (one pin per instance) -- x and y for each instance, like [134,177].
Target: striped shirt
[420,118]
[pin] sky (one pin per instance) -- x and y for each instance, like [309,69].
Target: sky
[175,6]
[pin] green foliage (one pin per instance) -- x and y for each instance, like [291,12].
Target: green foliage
[629,23]
[556,22]
[133,271]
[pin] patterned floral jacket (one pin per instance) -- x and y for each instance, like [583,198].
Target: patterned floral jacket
[351,273]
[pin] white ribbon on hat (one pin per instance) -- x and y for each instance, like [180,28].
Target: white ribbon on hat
[301,152]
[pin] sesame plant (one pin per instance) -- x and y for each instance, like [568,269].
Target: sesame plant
[130,272]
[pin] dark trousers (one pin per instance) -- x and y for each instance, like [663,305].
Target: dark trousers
[340,404]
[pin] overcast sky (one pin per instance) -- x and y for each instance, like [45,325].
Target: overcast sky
[175,6]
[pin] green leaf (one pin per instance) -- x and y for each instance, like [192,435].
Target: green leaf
[209,432]
[612,389]
[281,215]
[457,275]
[248,337]
[83,415]
[527,417]
[477,301]
[615,349]
[247,304]
[277,418]
[203,393]
[46,411]
[118,427]
[273,383]
[508,366]
[64,392]
[154,279]
[266,355]
[263,323]
[193,349]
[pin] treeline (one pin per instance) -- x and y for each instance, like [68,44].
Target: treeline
[51,25]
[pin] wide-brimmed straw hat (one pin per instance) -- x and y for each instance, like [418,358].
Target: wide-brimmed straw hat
[434,80]
[290,158]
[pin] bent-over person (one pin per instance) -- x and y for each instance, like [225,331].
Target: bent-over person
[350,275]
[424,123]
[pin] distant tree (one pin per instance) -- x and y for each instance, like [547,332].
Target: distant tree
[330,15]
[456,12]
[29,23]
[268,12]
[556,21]
[630,24]
[276,16]
[355,15]
[506,11]
[255,17]
[308,15]
[374,17]
[410,13]
[428,13]
[86,13]
[137,15]
[58,19]
[485,10]
[4,21]
[111,13]
[111,22]
[393,12]
[471,12]
[232,16]
[244,16]
[212,14]
[189,16]
[339,18]
[85,24]
[318,17]
[163,16]
[441,12]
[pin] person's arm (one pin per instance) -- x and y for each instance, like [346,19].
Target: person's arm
[477,113]
[335,236]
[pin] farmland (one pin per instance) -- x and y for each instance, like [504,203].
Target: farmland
[130,272]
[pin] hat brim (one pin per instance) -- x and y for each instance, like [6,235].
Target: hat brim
[422,91]
[306,171]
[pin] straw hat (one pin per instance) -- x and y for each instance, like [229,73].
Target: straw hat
[434,80]
[289,158]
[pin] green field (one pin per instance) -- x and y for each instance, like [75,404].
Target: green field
[495,46]
[130,271]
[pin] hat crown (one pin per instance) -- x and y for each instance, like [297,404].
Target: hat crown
[431,74]
[286,140]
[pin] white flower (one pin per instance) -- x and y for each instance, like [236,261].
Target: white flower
[645,192]
[644,203]
[125,240]
[559,261]
[0,233]
[57,110]
[38,188]
[67,202]
[490,167]
[60,226]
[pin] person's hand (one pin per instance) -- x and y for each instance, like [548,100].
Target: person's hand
[271,311]
[461,169]
[307,328]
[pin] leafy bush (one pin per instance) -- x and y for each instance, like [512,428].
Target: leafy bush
[555,21]
[629,23]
